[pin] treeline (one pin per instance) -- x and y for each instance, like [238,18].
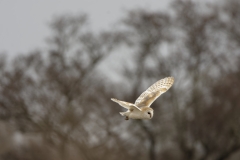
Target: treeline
[56,104]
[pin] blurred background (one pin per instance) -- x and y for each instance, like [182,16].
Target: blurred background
[55,97]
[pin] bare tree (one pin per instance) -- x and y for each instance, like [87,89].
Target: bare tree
[55,94]
[61,97]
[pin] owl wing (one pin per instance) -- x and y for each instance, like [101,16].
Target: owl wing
[153,92]
[126,105]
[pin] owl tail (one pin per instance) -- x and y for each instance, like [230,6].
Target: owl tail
[122,113]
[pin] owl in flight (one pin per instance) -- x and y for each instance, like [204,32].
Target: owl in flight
[141,109]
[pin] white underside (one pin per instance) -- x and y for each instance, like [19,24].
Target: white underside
[134,115]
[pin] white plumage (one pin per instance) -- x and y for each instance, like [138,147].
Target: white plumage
[141,109]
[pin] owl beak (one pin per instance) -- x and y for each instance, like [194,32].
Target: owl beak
[150,115]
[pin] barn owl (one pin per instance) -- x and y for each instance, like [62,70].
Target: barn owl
[141,109]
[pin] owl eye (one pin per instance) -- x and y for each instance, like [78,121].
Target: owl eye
[149,113]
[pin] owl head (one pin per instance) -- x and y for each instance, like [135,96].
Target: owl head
[147,112]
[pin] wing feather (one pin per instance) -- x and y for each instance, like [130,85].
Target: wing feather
[154,91]
[126,105]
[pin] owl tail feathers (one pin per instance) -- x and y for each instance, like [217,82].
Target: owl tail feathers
[122,113]
[125,114]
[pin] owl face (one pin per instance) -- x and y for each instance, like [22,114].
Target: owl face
[147,113]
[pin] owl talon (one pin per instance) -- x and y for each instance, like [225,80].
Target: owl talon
[126,118]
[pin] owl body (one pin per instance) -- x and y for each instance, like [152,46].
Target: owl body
[137,114]
[141,108]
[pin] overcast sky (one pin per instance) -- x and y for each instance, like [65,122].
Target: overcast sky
[24,23]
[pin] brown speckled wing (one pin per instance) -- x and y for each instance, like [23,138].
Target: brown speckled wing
[154,91]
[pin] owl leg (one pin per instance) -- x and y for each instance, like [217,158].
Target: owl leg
[126,114]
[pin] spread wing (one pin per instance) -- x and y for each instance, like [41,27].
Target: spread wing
[154,91]
[126,105]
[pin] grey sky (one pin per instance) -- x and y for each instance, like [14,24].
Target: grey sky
[24,23]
